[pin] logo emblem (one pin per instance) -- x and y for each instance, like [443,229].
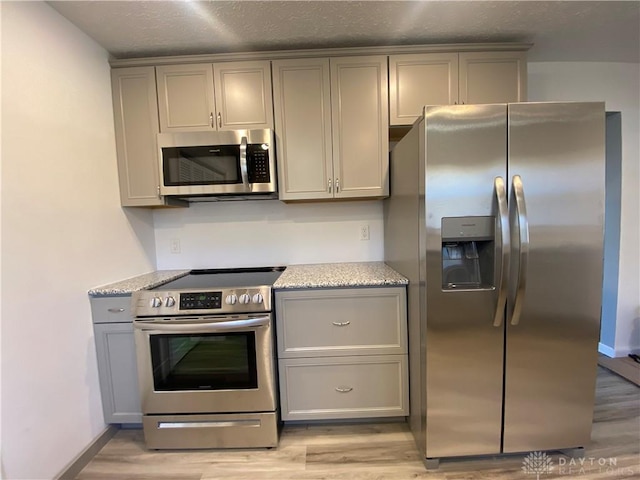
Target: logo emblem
[537,463]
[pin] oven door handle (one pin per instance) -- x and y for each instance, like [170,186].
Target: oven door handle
[199,327]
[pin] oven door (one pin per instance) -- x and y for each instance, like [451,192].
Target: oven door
[206,364]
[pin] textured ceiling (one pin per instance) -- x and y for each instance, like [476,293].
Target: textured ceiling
[559,30]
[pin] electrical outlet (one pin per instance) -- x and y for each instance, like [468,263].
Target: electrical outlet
[174,245]
[364,232]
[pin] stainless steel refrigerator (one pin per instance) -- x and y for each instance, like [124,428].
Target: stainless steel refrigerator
[496,217]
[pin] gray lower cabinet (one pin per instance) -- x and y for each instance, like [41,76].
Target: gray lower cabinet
[342,353]
[115,348]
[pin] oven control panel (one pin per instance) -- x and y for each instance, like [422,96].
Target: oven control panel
[149,303]
[200,300]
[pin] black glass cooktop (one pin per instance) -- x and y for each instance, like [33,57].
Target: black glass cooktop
[225,278]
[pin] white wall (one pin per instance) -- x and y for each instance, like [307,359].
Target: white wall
[618,85]
[259,233]
[63,233]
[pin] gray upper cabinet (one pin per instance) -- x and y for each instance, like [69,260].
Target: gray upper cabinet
[493,77]
[331,114]
[243,95]
[224,96]
[332,127]
[302,104]
[360,119]
[416,80]
[136,126]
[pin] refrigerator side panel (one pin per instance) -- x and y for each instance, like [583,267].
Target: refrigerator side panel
[401,253]
[558,152]
[465,152]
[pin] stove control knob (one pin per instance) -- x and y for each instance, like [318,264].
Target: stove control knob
[245,298]
[169,301]
[257,298]
[231,299]
[155,302]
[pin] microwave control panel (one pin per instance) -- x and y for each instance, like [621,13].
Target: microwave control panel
[258,163]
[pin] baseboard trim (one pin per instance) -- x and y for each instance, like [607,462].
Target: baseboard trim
[616,352]
[606,350]
[72,470]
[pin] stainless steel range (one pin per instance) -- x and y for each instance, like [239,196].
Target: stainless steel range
[206,365]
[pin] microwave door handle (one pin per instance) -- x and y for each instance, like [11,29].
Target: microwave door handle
[243,164]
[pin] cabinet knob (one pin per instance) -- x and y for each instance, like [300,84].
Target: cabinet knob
[213,125]
[219,120]
[341,324]
[330,186]
[337,185]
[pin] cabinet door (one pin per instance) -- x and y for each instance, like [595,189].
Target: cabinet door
[185,97]
[416,80]
[243,95]
[118,372]
[136,126]
[493,77]
[360,121]
[302,104]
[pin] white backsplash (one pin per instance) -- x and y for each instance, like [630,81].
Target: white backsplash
[269,232]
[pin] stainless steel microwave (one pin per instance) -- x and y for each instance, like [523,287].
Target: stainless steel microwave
[225,165]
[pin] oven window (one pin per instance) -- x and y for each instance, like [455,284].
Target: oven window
[211,361]
[217,165]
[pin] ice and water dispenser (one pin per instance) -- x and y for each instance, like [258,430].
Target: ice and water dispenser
[468,253]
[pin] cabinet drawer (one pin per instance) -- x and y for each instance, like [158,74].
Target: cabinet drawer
[111,309]
[344,387]
[338,322]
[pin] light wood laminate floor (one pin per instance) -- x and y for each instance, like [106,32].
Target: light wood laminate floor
[381,451]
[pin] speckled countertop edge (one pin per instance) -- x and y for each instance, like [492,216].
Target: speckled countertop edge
[141,282]
[335,275]
[320,275]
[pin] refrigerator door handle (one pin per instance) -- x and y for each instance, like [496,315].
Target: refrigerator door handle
[505,249]
[523,234]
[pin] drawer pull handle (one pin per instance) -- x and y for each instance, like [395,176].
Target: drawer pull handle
[341,324]
[116,310]
[344,389]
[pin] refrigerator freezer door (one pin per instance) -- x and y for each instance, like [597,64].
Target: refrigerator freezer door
[557,150]
[465,150]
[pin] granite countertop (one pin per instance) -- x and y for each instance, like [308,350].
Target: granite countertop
[327,275]
[321,275]
[141,282]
